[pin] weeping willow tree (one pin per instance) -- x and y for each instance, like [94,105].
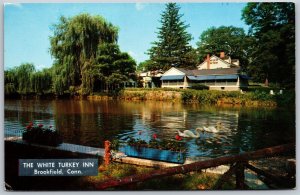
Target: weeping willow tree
[23,73]
[74,45]
[41,81]
[24,80]
[10,82]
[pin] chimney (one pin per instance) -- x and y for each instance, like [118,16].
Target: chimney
[208,61]
[222,54]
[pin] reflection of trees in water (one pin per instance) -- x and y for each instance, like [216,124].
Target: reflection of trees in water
[19,113]
[264,128]
[91,123]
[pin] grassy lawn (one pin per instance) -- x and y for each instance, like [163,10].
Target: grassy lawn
[190,181]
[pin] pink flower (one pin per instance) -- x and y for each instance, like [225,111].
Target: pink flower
[40,125]
[28,127]
[50,126]
[154,136]
[140,132]
[178,137]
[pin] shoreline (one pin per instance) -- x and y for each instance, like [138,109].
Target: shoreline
[186,96]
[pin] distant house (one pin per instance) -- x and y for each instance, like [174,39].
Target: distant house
[151,79]
[215,62]
[215,72]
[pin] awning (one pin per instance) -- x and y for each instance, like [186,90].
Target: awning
[172,77]
[225,77]
[213,77]
[245,77]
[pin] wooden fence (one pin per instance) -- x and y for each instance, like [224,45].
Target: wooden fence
[238,164]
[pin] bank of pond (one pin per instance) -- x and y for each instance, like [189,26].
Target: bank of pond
[250,98]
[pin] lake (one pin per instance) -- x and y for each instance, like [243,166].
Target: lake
[90,123]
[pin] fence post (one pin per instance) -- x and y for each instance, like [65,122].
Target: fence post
[107,152]
[240,175]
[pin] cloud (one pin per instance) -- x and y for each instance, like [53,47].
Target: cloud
[18,5]
[140,6]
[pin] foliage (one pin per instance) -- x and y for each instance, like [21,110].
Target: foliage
[235,97]
[147,65]
[229,39]
[24,80]
[23,74]
[199,87]
[10,82]
[172,48]
[162,94]
[41,81]
[116,170]
[87,55]
[38,134]
[273,27]
[287,99]
[75,42]
[258,96]
[115,144]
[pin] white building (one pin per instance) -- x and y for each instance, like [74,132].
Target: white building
[150,79]
[215,62]
[214,72]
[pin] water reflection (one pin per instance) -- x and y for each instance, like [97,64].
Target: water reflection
[92,122]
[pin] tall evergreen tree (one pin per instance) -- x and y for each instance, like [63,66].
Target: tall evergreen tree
[172,48]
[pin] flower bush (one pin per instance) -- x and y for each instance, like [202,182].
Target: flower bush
[40,135]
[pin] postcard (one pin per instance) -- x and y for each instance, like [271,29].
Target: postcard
[149,96]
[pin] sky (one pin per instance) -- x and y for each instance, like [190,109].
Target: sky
[27,26]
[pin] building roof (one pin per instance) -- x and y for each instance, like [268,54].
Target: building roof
[212,77]
[219,71]
[169,78]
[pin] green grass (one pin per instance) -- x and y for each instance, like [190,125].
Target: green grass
[189,181]
[116,171]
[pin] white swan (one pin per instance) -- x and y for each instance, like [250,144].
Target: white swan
[188,133]
[210,129]
[213,129]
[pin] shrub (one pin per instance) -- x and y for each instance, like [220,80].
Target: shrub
[39,135]
[199,87]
